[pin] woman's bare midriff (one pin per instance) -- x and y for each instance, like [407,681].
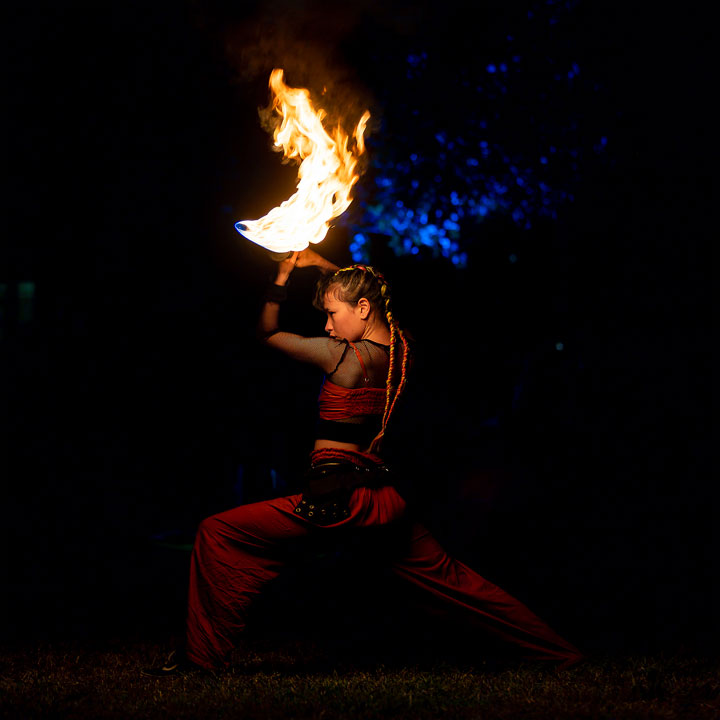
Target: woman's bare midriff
[335,445]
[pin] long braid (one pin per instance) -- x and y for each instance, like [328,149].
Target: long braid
[393,393]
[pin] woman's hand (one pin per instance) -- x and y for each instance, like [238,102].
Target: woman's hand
[285,267]
[308,258]
[304,258]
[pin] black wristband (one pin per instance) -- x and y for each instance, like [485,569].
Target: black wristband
[275,293]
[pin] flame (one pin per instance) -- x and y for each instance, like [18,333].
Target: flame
[325,176]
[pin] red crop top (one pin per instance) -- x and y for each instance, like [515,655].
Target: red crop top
[337,404]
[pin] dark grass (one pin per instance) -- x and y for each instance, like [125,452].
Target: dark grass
[304,681]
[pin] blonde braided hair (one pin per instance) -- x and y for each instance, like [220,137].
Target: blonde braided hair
[355,282]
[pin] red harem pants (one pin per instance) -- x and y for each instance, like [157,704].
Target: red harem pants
[238,551]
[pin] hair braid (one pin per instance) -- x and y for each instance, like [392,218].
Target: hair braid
[393,392]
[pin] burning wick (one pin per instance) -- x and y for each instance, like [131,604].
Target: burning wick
[325,176]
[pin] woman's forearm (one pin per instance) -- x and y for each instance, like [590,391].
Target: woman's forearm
[269,319]
[268,323]
[325,266]
[308,258]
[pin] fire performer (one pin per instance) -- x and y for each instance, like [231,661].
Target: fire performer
[348,487]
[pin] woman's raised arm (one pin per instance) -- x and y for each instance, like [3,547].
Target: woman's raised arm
[320,351]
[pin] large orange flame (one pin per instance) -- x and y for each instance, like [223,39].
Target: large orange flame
[325,176]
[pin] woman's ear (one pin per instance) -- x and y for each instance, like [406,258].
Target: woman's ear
[364,305]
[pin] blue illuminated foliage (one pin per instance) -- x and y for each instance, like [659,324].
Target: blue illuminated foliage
[500,135]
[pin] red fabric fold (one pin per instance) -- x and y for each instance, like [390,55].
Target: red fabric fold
[340,403]
[239,551]
[361,459]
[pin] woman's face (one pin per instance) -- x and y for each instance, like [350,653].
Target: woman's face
[345,321]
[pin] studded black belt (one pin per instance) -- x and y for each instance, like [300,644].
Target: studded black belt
[329,485]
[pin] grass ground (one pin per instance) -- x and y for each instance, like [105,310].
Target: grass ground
[70,681]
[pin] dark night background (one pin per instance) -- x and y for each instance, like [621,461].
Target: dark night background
[137,402]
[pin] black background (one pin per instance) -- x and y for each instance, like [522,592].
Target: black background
[137,392]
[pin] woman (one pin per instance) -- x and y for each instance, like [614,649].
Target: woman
[348,488]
